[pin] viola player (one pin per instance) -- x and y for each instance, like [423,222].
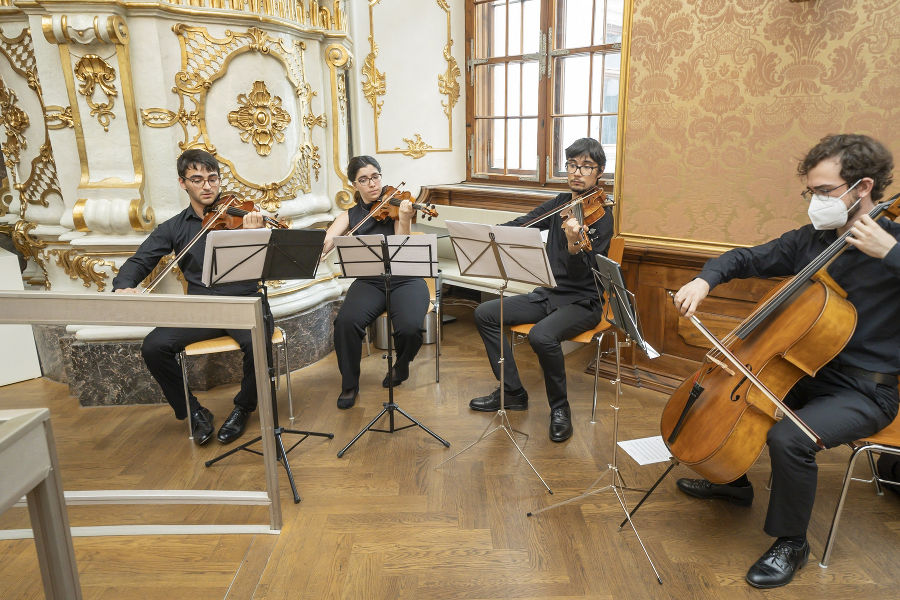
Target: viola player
[198,175]
[365,298]
[854,395]
[572,307]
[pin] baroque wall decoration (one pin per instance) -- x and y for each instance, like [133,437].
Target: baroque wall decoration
[374,87]
[724,98]
[260,118]
[95,74]
[41,179]
[15,122]
[205,59]
[339,62]
[30,247]
[80,266]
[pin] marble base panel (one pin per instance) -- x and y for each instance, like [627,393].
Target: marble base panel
[113,372]
[52,344]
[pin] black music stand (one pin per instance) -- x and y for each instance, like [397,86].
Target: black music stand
[510,254]
[608,276]
[377,255]
[260,255]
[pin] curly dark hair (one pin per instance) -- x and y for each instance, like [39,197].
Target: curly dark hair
[195,159]
[860,156]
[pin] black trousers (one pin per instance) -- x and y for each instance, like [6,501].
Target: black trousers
[163,344]
[840,409]
[551,328]
[364,302]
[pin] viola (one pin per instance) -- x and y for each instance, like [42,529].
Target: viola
[587,208]
[390,208]
[233,215]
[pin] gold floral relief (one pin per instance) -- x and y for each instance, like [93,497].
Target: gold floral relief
[724,98]
[95,74]
[416,147]
[59,117]
[84,267]
[15,122]
[260,118]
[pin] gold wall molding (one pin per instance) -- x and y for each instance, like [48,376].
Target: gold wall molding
[41,180]
[95,73]
[339,61]
[77,38]
[84,267]
[31,248]
[162,265]
[205,59]
[58,117]
[374,87]
[260,118]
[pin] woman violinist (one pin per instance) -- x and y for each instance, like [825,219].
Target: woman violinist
[365,298]
[855,394]
[198,175]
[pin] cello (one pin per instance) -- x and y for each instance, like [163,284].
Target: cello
[717,421]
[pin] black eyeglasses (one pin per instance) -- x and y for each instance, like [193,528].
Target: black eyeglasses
[212,180]
[808,193]
[375,178]
[572,167]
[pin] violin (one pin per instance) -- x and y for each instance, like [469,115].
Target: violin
[233,215]
[390,208]
[587,208]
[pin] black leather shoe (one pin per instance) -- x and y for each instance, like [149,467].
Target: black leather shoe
[399,375]
[233,426]
[560,424]
[517,400]
[701,488]
[777,566]
[201,425]
[347,398]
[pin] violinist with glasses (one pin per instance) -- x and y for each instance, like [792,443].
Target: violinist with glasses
[198,175]
[572,307]
[855,394]
[365,298]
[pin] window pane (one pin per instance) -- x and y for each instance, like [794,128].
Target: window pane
[529,144]
[531,30]
[530,88]
[565,131]
[498,29]
[515,28]
[615,10]
[573,21]
[512,144]
[498,89]
[604,129]
[513,94]
[496,143]
[605,88]
[572,83]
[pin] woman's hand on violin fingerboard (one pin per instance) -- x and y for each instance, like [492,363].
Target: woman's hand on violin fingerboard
[253,220]
[688,298]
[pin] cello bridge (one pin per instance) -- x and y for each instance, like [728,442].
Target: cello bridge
[721,364]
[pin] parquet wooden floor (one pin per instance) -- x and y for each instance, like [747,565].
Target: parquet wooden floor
[383,523]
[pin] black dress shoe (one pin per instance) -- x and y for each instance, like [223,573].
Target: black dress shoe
[517,400]
[560,424]
[347,398]
[398,374]
[701,488]
[777,566]
[233,426]
[201,425]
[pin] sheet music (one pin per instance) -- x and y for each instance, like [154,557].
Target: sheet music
[239,255]
[646,451]
[360,255]
[521,253]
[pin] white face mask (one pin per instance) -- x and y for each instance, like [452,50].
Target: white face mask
[826,212]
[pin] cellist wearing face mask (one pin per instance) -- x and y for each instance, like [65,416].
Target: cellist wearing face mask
[855,394]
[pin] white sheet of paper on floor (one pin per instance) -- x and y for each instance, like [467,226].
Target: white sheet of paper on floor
[646,451]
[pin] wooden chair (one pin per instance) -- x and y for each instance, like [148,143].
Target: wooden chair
[616,251]
[886,441]
[226,343]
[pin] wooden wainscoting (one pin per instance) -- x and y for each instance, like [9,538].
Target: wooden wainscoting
[651,272]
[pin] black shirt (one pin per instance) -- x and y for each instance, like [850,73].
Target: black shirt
[173,236]
[872,286]
[573,274]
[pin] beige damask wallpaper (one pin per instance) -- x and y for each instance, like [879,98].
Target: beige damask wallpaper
[725,96]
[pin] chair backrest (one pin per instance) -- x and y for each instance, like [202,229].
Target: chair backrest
[616,249]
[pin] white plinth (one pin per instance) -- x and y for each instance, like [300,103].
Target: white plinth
[20,359]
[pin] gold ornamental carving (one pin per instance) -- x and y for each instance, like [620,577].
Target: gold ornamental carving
[41,180]
[31,248]
[205,59]
[58,117]
[15,122]
[161,266]
[6,198]
[260,118]
[339,62]
[375,87]
[84,267]
[95,73]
